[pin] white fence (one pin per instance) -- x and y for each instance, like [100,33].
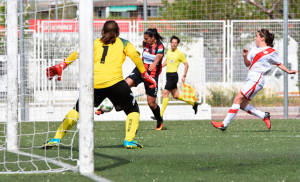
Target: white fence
[213,50]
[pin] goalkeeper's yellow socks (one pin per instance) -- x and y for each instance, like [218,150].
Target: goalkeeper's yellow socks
[165,102]
[132,125]
[180,97]
[69,121]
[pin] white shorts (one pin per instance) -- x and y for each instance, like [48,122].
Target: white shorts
[253,84]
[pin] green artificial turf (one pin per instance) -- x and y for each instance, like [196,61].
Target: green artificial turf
[184,151]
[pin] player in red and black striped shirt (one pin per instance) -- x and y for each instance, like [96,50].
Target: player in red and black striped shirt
[152,57]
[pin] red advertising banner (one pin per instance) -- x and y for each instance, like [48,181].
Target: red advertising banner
[41,25]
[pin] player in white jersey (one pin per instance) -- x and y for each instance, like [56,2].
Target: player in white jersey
[259,60]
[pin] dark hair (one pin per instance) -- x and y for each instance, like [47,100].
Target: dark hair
[269,37]
[153,32]
[110,32]
[174,37]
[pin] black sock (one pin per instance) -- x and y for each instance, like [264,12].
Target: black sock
[156,113]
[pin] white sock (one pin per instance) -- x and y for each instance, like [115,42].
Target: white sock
[253,111]
[231,113]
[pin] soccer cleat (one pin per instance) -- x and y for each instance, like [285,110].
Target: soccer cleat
[267,119]
[132,145]
[195,107]
[153,117]
[159,126]
[51,143]
[218,125]
[98,112]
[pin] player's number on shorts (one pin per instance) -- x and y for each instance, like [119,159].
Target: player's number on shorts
[105,49]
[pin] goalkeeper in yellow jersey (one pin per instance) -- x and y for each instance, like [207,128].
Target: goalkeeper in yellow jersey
[174,58]
[110,52]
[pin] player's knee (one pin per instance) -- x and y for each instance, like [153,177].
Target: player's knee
[165,94]
[175,95]
[239,98]
[152,105]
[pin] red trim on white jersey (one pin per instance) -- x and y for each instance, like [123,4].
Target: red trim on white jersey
[260,55]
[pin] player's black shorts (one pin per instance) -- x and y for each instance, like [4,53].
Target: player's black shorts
[119,94]
[136,76]
[172,79]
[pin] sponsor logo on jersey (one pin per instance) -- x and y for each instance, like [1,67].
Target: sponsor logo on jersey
[160,50]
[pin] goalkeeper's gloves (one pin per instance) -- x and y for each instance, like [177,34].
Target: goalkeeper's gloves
[99,111]
[56,70]
[149,80]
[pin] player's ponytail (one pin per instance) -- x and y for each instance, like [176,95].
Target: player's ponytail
[269,37]
[110,32]
[153,32]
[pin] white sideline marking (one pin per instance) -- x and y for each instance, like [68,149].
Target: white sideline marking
[58,163]
[96,177]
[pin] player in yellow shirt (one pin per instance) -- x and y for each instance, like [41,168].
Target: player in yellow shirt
[174,58]
[110,52]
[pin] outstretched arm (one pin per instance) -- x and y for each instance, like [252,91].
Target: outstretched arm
[283,68]
[57,69]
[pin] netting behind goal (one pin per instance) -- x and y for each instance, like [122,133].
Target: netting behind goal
[39,114]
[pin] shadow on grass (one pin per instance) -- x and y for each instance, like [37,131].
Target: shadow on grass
[118,161]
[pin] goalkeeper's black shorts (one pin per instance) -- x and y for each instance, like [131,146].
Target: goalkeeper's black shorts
[172,79]
[119,94]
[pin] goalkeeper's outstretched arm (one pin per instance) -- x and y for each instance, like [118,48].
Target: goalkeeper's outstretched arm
[57,69]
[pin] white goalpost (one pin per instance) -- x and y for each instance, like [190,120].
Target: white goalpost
[12,76]
[21,139]
[86,93]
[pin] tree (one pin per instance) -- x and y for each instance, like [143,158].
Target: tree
[229,9]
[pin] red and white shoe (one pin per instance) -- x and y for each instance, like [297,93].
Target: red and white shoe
[218,125]
[267,119]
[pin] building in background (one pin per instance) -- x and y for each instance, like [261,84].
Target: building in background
[114,8]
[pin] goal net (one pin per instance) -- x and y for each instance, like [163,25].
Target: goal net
[37,46]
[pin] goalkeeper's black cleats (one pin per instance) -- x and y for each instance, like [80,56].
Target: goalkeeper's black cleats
[54,142]
[195,107]
[132,145]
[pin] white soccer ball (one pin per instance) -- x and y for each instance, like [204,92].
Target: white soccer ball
[106,105]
